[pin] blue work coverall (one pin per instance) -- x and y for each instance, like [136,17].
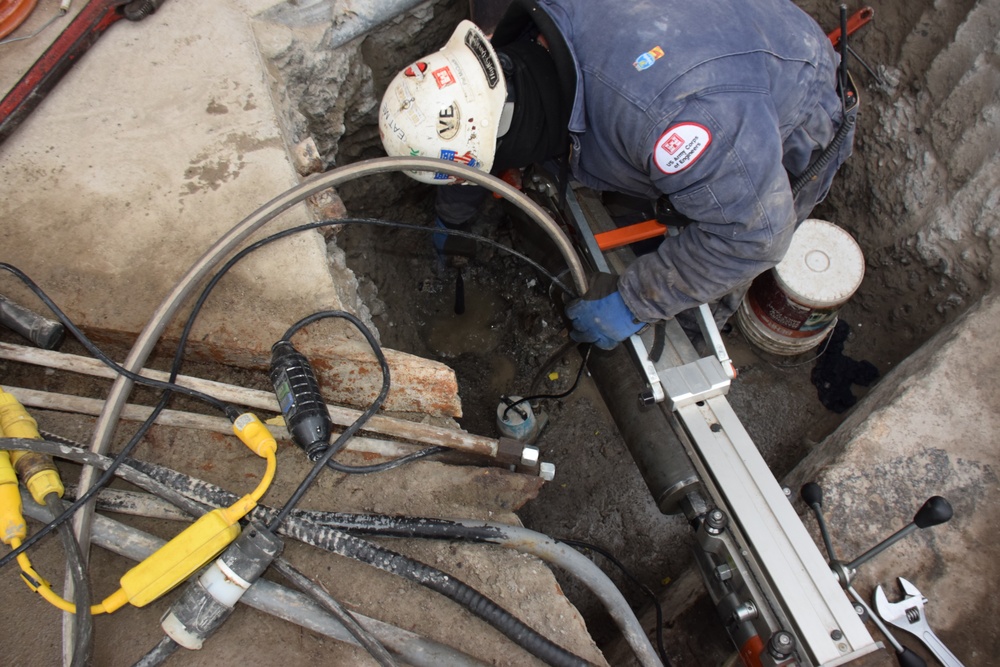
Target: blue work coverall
[717,105]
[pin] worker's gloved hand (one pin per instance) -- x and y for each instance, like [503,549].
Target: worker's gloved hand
[453,250]
[601,316]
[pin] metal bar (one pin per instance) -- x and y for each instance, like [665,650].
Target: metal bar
[789,562]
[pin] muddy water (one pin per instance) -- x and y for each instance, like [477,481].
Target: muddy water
[475,331]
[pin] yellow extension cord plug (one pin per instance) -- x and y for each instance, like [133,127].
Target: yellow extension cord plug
[168,566]
[37,471]
[12,525]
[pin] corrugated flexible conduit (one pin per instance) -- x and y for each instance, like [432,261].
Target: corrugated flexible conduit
[280,601]
[323,529]
[342,543]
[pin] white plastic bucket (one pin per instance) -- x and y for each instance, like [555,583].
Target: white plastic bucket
[791,308]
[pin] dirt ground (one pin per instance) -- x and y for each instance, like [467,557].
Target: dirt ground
[512,339]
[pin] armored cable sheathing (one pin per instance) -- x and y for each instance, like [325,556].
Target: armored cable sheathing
[389,561]
[513,537]
[826,156]
[278,601]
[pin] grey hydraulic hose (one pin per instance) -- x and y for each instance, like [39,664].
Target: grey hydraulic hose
[143,347]
[227,243]
[571,560]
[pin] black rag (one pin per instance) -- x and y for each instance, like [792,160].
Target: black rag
[835,372]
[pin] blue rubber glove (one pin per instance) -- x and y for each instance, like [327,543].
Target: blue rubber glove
[601,316]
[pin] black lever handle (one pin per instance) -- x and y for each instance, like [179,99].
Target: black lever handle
[812,494]
[934,512]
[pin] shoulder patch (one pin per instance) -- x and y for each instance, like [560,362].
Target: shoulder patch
[679,146]
[646,60]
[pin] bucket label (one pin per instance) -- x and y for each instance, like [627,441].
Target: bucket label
[778,312]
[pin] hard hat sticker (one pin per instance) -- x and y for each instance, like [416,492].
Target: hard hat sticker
[418,73]
[679,146]
[443,77]
[448,123]
[468,158]
[479,48]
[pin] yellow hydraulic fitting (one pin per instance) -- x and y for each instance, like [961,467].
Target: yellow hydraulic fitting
[37,471]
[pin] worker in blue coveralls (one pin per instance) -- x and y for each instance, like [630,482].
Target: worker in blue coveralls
[730,111]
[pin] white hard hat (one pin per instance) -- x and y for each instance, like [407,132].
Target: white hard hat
[447,105]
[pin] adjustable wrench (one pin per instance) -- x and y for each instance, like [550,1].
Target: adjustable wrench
[908,614]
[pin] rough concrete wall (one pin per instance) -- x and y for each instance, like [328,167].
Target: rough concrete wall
[328,87]
[929,428]
[328,62]
[920,193]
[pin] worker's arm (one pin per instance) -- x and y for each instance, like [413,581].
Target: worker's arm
[720,162]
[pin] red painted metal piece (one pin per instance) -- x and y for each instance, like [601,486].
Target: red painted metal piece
[854,22]
[71,44]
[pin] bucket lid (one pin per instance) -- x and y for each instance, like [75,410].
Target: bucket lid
[823,266]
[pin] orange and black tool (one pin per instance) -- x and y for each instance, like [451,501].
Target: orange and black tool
[855,21]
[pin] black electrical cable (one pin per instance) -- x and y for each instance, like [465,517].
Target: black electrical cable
[98,354]
[328,602]
[299,527]
[384,559]
[109,473]
[538,397]
[83,620]
[333,540]
[577,544]
[158,654]
[349,432]
[388,465]
[126,469]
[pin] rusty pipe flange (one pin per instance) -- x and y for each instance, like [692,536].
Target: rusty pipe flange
[13,13]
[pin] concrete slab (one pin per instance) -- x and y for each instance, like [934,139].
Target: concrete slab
[929,428]
[155,144]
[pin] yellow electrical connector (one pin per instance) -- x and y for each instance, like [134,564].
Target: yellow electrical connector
[12,525]
[36,470]
[254,434]
[179,558]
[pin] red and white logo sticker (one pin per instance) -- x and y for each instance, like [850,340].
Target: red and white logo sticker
[679,147]
[443,77]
